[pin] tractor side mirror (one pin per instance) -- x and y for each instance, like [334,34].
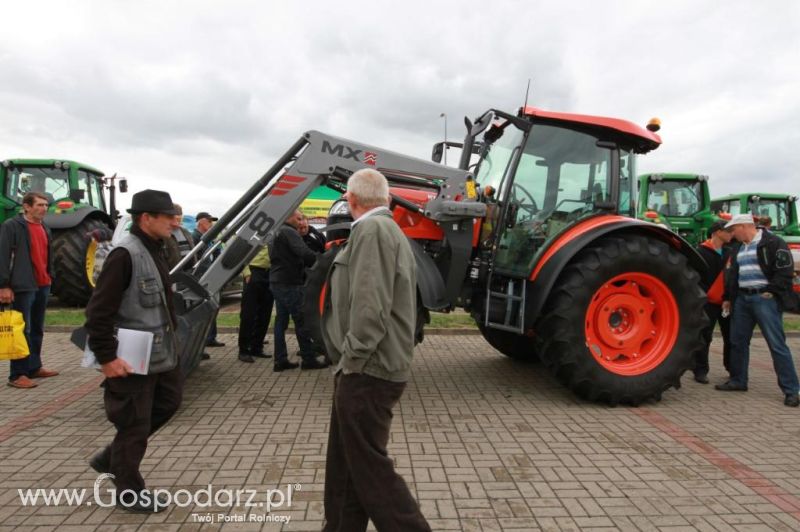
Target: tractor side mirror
[123,185]
[438,151]
[77,195]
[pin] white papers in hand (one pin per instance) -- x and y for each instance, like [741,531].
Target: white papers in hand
[134,347]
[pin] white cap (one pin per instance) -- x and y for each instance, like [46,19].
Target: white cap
[740,219]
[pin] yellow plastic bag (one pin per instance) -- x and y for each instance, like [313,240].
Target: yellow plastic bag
[13,344]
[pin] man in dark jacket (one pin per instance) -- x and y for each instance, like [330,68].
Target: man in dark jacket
[758,289]
[289,256]
[716,253]
[134,292]
[25,260]
[204,223]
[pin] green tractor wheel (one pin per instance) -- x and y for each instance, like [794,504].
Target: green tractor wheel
[77,261]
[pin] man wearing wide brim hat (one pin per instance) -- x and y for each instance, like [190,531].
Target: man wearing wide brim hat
[134,292]
[757,291]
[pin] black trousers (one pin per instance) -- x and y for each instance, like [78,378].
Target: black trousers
[256,312]
[714,313]
[138,405]
[360,480]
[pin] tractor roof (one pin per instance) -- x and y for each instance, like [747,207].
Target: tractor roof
[51,162]
[672,176]
[762,195]
[647,140]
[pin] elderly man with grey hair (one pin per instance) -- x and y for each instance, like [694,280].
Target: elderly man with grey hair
[368,329]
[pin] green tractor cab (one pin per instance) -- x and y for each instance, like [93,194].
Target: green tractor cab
[777,212]
[79,217]
[680,202]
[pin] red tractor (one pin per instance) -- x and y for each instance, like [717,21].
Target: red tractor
[537,240]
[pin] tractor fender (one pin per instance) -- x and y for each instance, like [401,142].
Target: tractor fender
[68,220]
[430,284]
[565,247]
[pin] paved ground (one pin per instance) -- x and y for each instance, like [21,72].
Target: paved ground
[486,444]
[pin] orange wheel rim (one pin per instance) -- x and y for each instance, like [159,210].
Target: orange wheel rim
[632,324]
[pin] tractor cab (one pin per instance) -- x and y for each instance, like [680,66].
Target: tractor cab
[540,179]
[679,201]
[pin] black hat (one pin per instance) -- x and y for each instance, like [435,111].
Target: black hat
[201,215]
[155,201]
[718,225]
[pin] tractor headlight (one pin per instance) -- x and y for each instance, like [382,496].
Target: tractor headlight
[340,208]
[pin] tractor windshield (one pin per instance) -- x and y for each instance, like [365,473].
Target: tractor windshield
[675,198]
[52,182]
[562,176]
[777,210]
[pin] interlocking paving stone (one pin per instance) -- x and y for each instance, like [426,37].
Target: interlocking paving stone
[484,443]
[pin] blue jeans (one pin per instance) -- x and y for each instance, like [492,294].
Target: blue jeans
[749,310]
[32,306]
[289,303]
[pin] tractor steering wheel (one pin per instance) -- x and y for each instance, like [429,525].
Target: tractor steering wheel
[531,208]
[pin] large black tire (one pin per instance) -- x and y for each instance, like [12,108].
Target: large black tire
[72,284]
[316,278]
[578,308]
[512,345]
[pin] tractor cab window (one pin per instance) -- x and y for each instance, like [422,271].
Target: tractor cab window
[675,198]
[627,182]
[562,176]
[93,186]
[776,209]
[728,206]
[52,182]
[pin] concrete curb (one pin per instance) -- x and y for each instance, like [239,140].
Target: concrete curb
[438,332]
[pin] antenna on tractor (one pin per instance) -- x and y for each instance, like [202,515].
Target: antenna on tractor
[524,105]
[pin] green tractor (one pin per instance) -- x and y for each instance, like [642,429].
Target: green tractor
[81,221]
[780,209]
[680,202]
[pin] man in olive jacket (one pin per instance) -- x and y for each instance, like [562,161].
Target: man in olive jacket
[368,329]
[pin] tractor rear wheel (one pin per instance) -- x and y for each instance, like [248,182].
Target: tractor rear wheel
[512,345]
[77,260]
[624,321]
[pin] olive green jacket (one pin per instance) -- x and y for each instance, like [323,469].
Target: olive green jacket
[370,304]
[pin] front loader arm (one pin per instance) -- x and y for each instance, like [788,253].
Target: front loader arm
[315,159]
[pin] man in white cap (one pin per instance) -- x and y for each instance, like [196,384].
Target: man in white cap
[758,289]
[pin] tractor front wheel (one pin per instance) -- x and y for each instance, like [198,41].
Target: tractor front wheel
[77,260]
[624,321]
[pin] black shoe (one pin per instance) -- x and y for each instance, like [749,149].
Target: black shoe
[138,507]
[792,399]
[244,357]
[280,366]
[702,378]
[101,462]
[205,356]
[313,364]
[215,343]
[261,355]
[730,387]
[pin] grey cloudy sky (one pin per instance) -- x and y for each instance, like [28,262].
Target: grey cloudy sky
[201,97]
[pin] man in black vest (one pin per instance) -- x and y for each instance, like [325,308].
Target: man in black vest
[134,292]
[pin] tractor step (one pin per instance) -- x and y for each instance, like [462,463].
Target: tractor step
[510,304]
